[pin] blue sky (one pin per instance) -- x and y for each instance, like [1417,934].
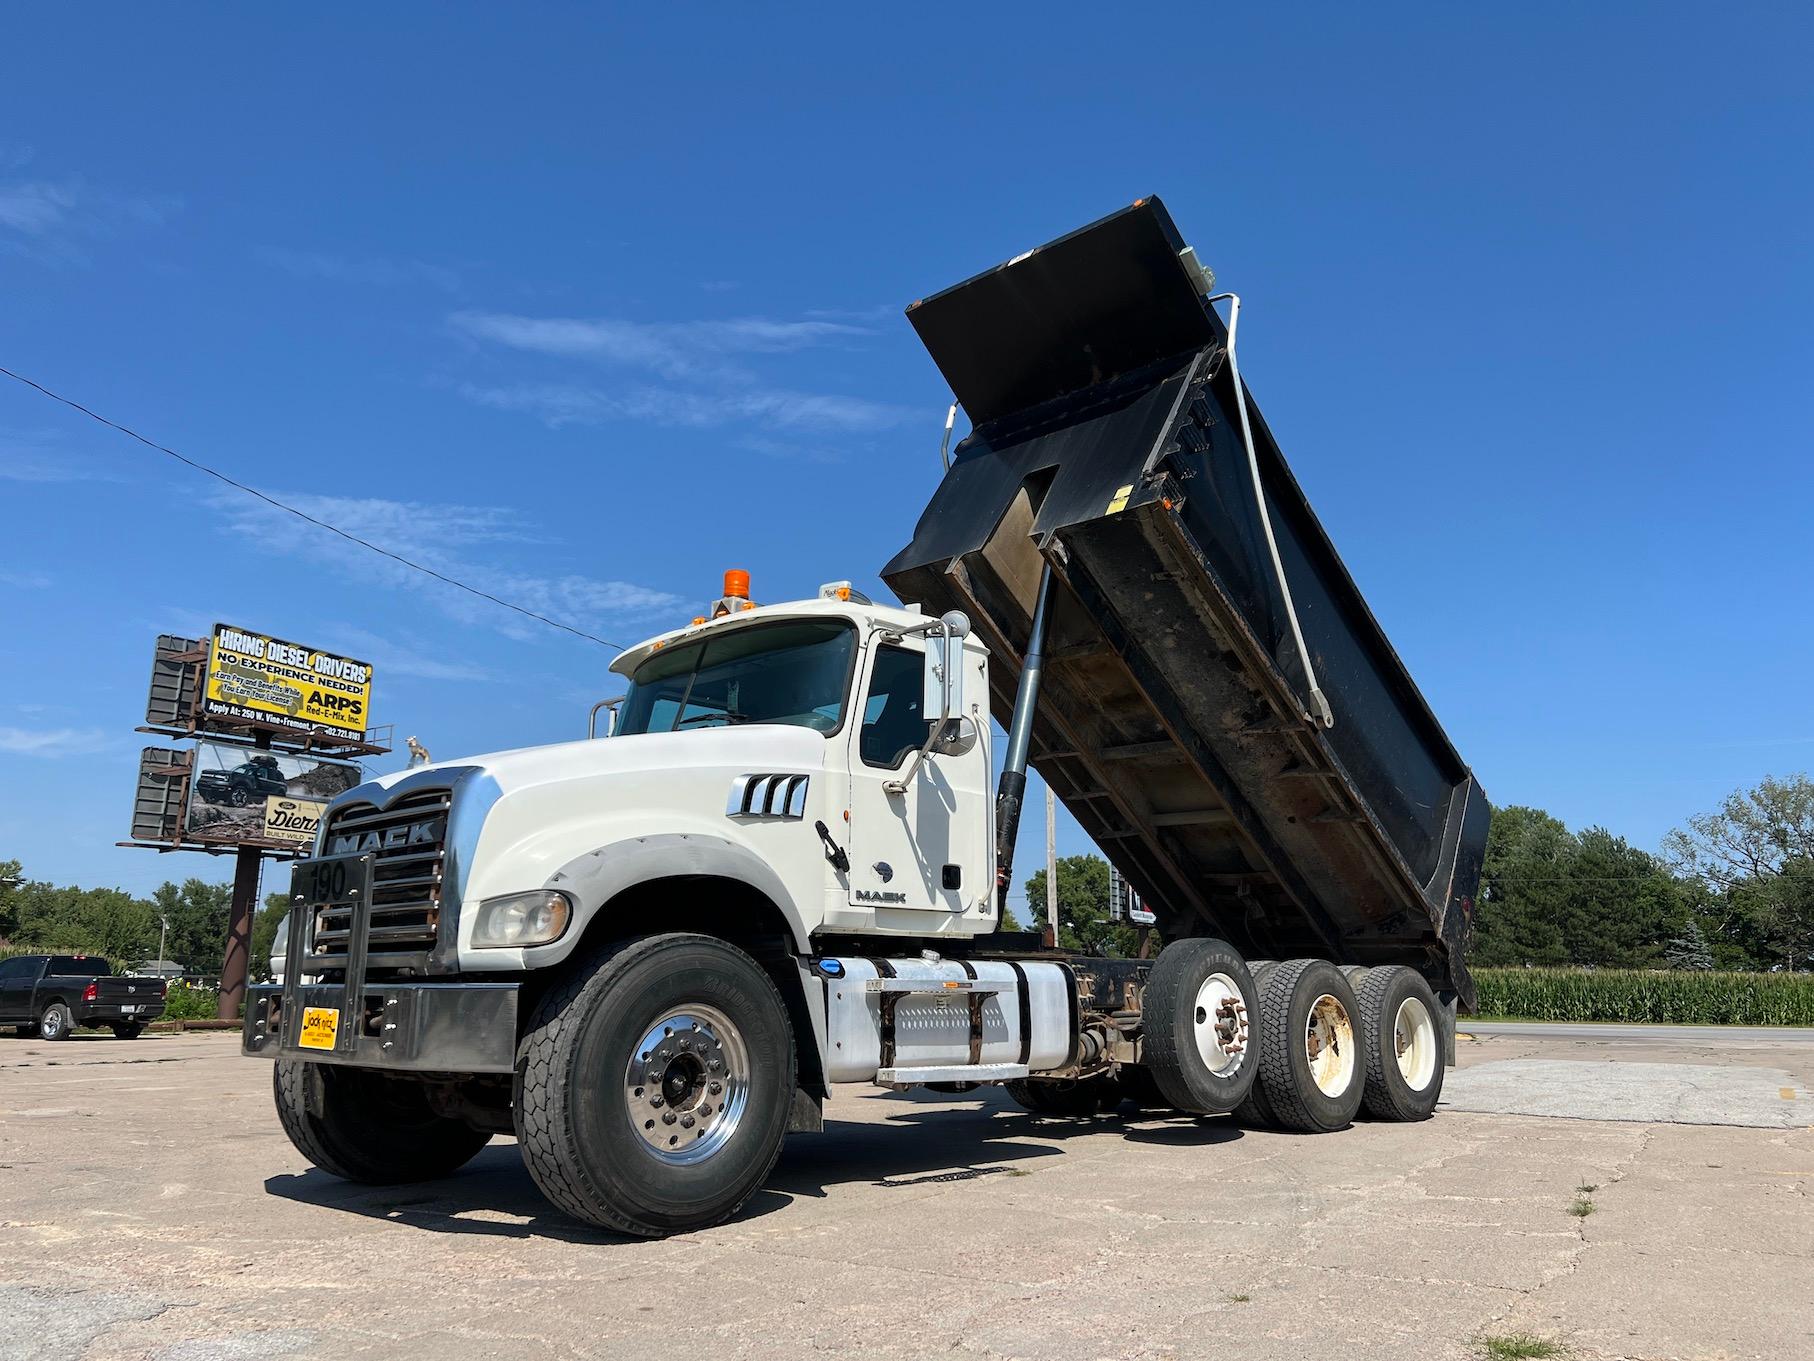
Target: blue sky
[586,309]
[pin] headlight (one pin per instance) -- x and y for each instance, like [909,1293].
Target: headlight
[521,919]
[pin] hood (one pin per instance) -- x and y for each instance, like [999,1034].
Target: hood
[758,745]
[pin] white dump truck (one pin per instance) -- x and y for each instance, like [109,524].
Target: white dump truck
[651,954]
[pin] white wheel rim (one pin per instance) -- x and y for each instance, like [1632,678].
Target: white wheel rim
[1219,1024]
[1414,1043]
[1329,1045]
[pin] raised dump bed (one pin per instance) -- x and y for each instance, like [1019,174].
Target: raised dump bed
[1177,720]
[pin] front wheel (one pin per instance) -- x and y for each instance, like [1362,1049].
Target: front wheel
[653,1087]
[367,1126]
[56,1022]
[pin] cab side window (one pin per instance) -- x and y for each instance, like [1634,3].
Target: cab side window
[892,722]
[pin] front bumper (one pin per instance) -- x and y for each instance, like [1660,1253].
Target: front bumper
[406,1027]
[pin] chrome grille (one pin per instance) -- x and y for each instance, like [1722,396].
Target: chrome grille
[408,843]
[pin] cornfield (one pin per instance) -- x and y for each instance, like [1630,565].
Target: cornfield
[1660,998]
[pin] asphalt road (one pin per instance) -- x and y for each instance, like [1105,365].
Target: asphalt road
[151,1210]
[1690,1036]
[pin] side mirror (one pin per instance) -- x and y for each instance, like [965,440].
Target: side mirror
[944,683]
[610,708]
[957,737]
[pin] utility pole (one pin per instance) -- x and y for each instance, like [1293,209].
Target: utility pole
[163,929]
[1051,867]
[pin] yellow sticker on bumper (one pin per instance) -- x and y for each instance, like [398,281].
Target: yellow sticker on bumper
[319,1027]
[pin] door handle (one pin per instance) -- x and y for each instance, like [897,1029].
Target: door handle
[834,853]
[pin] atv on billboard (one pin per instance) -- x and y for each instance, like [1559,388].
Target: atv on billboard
[257,677]
[241,794]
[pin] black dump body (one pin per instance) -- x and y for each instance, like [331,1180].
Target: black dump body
[1174,716]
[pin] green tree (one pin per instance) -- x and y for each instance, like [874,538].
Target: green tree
[197,913]
[12,875]
[1520,905]
[1689,950]
[1754,857]
[1551,896]
[1083,907]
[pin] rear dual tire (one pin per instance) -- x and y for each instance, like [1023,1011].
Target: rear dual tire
[1312,1069]
[1403,1042]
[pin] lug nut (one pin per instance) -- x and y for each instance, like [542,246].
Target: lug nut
[656,1101]
[714,1087]
[686,1122]
[667,1117]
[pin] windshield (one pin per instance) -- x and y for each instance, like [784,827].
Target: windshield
[794,673]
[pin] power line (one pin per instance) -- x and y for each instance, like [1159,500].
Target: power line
[304,515]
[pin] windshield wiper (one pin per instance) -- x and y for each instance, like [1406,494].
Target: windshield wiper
[730,716]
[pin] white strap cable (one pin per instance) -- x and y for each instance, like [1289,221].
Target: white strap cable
[1318,701]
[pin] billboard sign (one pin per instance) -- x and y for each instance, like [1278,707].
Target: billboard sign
[257,677]
[242,794]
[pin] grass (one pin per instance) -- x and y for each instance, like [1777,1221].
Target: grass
[1517,1347]
[1239,1299]
[1659,997]
[1582,1207]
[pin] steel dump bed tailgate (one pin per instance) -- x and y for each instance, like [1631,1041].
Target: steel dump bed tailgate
[1175,719]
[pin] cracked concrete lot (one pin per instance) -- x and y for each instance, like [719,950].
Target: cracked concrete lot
[150,1207]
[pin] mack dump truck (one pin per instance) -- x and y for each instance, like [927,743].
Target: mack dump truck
[651,955]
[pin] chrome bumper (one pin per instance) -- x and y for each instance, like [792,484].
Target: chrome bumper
[409,1027]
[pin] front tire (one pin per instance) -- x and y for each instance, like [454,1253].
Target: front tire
[653,1087]
[1403,1041]
[56,1023]
[1199,1009]
[366,1126]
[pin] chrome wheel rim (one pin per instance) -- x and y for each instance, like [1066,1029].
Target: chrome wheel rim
[53,1025]
[1219,1024]
[1414,1043]
[687,1084]
[1329,1045]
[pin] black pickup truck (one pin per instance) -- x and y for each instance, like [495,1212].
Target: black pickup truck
[53,994]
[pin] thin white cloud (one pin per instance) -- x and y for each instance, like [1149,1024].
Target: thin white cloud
[52,743]
[49,219]
[24,581]
[672,349]
[451,539]
[393,656]
[35,456]
[375,271]
[558,404]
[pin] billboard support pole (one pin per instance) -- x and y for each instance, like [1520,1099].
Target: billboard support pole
[248,861]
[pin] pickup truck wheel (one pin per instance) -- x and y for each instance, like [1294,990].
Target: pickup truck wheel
[366,1126]
[1073,1099]
[1199,1012]
[1312,1051]
[653,1086]
[56,1022]
[128,1030]
[1403,1041]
